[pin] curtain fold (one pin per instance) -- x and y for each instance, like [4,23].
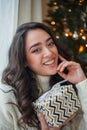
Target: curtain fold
[12,14]
[30,10]
[8,25]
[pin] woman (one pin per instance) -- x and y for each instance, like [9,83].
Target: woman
[35,65]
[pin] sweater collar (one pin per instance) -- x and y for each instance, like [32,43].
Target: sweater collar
[43,83]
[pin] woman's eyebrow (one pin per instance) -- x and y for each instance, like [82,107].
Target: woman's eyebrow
[38,43]
[48,39]
[34,45]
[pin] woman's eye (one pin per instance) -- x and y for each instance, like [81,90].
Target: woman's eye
[36,50]
[51,44]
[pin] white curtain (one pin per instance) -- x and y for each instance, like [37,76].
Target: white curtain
[30,10]
[13,13]
[36,11]
[8,24]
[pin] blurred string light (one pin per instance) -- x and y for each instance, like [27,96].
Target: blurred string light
[54,3]
[75,35]
[81,48]
[84,37]
[57,36]
[69,10]
[67,32]
[69,24]
[80,2]
[53,22]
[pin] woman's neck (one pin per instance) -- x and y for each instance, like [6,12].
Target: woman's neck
[43,83]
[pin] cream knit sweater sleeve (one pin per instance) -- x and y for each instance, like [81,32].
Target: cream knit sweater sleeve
[9,113]
[82,93]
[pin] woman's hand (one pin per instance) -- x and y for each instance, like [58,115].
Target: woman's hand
[44,125]
[75,73]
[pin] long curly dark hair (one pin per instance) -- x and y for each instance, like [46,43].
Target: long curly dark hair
[21,78]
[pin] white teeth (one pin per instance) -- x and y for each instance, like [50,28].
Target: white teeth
[50,62]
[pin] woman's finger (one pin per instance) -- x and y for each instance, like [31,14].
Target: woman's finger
[42,120]
[67,64]
[61,58]
[63,75]
[60,66]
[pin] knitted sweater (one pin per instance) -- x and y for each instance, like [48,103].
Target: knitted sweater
[9,113]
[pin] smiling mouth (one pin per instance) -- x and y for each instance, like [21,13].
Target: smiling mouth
[49,62]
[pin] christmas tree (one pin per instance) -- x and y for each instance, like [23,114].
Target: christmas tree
[68,21]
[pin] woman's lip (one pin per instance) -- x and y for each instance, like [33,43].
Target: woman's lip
[49,62]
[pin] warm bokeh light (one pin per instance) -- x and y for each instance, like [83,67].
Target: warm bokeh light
[81,48]
[55,3]
[69,10]
[70,33]
[84,37]
[66,34]
[53,22]
[57,37]
[81,1]
[82,30]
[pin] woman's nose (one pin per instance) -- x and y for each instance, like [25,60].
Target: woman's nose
[47,52]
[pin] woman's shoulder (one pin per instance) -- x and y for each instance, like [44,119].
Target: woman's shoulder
[9,112]
[6,93]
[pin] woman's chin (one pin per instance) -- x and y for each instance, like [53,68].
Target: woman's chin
[52,72]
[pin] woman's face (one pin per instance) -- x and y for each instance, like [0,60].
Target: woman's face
[41,53]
